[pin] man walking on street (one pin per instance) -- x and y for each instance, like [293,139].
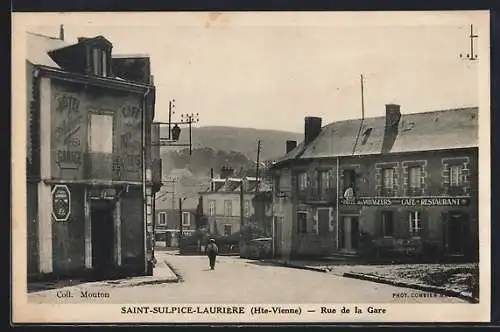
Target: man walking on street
[212,251]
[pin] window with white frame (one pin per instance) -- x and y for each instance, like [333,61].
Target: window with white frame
[415,179]
[325,183]
[302,181]
[415,222]
[228,208]
[211,208]
[388,180]
[186,221]
[162,219]
[456,176]
[101,133]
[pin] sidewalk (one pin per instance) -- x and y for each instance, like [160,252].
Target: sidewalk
[162,274]
[457,280]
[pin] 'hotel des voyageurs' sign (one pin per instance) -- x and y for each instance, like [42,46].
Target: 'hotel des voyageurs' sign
[406,201]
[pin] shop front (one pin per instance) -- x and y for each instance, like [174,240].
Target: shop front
[420,226]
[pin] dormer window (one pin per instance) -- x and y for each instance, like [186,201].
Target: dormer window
[90,56]
[99,62]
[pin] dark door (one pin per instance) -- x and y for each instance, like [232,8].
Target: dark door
[457,233]
[102,235]
[323,221]
[341,230]
[354,232]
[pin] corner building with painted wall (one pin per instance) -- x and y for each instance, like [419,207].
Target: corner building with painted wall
[90,175]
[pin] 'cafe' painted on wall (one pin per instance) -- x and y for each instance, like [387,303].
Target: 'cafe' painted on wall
[73,156]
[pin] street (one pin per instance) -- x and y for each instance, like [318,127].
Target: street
[237,280]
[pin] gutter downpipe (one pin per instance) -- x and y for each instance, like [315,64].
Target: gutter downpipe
[337,203]
[144,196]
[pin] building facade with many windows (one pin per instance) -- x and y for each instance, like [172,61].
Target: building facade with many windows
[224,202]
[404,182]
[89,167]
[170,221]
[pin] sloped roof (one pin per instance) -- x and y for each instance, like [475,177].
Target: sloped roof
[165,203]
[38,47]
[233,185]
[427,131]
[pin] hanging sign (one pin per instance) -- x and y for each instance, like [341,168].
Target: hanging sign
[61,202]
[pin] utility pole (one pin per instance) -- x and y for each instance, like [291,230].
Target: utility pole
[171,105]
[362,115]
[257,167]
[180,221]
[471,56]
[362,99]
[242,207]
[189,119]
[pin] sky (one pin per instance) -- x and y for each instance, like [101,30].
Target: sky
[270,74]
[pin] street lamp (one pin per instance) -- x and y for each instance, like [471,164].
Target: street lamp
[176,132]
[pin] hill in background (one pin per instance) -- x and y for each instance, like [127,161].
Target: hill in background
[214,147]
[242,140]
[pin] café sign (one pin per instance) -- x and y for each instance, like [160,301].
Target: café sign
[406,201]
[61,203]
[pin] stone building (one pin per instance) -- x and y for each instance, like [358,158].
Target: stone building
[170,219]
[403,182]
[90,161]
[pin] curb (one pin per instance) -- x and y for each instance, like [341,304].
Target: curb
[155,282]
[175,271]
[427,288]
[300,267]
[178,278]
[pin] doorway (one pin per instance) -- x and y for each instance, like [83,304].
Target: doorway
[456,232]
[277,244]
[349,233]
[323,221]
[103,237]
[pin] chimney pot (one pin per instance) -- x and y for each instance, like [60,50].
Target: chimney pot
[392,115]
[226,171]
[61,32]
[312,128]
[290,145]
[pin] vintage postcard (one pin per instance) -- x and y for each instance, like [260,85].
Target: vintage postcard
[251,167]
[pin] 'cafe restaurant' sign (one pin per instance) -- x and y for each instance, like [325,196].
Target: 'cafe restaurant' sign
[407,201]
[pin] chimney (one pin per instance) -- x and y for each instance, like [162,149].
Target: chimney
[392,115]
[226,171]
[290,145]
[312,128]
[61,32]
